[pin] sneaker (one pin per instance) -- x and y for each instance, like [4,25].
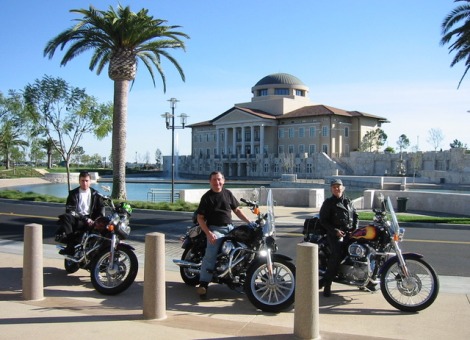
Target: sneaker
[202,289]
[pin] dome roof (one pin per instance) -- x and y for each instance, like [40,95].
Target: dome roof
[280,78]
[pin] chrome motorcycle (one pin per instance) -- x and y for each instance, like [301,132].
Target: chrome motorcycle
[112,263]
[373,257]
[247,260]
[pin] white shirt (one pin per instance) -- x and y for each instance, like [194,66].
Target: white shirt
[84,201]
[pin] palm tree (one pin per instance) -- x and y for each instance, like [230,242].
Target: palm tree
[120,38]
[461,34]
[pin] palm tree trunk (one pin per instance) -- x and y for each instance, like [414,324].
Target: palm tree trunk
[121,88]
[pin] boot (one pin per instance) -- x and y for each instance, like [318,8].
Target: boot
[327,289]
[202,289]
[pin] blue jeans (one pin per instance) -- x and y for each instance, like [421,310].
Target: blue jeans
[208,262]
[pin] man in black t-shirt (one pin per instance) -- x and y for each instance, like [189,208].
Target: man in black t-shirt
[214,216]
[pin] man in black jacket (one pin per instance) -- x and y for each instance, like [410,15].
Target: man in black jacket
[339,218]
[83,206]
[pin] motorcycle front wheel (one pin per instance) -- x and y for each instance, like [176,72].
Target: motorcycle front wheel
[190,276]
[111,280]
[275,296]
[411,293]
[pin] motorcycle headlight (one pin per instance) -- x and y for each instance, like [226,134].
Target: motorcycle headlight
[123,229]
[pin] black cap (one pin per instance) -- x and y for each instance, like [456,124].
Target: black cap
[336,181]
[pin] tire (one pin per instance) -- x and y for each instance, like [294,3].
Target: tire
[70,266]
[189,276]
[114,283]
[276,298]
[409,294]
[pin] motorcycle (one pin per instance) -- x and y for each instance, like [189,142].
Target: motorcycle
[112,263]
[373,257]
[247,260]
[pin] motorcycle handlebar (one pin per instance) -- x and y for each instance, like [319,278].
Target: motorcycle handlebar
[249,203]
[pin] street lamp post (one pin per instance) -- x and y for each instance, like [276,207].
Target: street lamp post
[170,124]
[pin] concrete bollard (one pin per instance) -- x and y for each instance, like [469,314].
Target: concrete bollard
[33,273]
[307,314]
[154,277]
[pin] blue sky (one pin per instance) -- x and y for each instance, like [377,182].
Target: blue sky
[379,57]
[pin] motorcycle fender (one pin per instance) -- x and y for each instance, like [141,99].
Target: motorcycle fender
[125,245]
[281,257]
[405,256]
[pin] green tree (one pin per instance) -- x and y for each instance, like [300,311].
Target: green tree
[120,38]
[457,144]
[373,140]
[12,125]
[403,143]
[64,114]
[456,33]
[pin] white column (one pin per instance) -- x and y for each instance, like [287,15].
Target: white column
[225,140]
[261,139]
[252,140]
[234,141]
[217,138]
[243,139]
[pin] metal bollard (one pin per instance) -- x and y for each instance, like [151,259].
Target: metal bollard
[154,277]
[307,310]
[33,273]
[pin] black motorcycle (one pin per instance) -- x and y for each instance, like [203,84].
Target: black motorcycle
[373,257]
[247,259]
[100,249]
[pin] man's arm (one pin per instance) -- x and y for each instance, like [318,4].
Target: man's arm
[241,215]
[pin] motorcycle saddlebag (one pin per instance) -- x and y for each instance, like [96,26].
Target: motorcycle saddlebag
[313,229]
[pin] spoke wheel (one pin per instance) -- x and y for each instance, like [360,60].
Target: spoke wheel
[411,293]
[274,296]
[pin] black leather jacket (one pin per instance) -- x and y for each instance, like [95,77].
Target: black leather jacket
[338,214]
[97,207]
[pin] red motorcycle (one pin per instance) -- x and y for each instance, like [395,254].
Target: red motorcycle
[373,257]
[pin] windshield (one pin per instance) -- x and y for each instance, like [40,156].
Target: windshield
[269,226]
[393,218]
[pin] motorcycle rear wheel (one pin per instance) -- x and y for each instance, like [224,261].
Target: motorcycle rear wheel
[272,298]
[409,294]
[189,277]
[122,276]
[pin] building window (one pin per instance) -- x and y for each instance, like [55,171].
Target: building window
[222,136]
[324,148]
[281,92]
[262,92]
[291,133]
[312,131]
[276,168]
[309,169]
[301,149]
[266,167]
[346,132]
[300,93]
[301,132]
[291,148]
[281,134]
[280,149]
[297,168]
[312,148]
[324,131]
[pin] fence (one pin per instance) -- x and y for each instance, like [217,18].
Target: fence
[161,195]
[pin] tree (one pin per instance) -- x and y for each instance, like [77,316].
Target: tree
[435,138]
[12,125]
[373,139]
[158,159]
[64,114]
[120,38]
[457,144]
[403,143]
[459,34]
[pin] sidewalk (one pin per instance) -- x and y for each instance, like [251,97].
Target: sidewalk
[72,309]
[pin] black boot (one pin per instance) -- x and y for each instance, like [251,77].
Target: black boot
[70,248]
[202,289]
[327,290]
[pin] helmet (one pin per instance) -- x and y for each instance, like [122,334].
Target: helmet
[126,207]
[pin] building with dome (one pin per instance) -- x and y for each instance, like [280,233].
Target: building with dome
[280,131]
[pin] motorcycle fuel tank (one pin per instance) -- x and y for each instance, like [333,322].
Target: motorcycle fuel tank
[368,232]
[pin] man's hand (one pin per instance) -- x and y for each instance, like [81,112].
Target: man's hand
[211,237]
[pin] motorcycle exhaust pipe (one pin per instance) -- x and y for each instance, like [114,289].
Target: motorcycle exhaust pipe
[187,264]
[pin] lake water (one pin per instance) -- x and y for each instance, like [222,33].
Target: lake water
[135,191]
